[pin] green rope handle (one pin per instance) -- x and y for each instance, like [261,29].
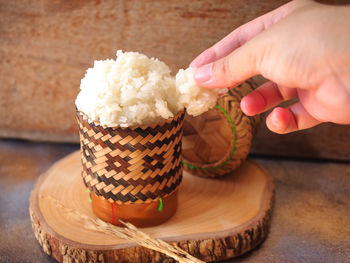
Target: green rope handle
[192,167]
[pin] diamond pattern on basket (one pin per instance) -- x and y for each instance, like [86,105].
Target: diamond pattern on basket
[131,165]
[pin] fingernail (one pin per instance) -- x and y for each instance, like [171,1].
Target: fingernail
[193,64]
[204,73]
[275,121]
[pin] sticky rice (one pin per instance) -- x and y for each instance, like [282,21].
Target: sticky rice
[134,90]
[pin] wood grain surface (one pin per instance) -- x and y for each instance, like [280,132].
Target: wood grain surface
[216,219]
[46,46]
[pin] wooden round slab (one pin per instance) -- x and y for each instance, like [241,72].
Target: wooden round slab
[216,219]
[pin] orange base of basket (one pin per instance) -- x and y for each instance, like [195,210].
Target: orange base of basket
[140,215]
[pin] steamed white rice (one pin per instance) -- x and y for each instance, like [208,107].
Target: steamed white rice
[194,98]
[135,89]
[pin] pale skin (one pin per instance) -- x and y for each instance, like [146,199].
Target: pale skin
[303,49]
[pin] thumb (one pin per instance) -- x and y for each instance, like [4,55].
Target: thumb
[231,70]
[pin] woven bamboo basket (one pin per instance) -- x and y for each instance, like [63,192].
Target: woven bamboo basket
[135,171]
[218,141]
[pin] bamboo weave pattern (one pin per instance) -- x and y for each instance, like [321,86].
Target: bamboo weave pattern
[239,141]
[131,165]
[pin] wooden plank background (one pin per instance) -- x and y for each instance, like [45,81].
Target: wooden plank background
[46,46]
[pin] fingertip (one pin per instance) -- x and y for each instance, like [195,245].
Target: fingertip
[194,64]
[280,121]
[253,103]
[203,74]
[245,106]
[205,57]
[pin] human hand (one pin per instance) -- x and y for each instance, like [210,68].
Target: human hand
[303,48]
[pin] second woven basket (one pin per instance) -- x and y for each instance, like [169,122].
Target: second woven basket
[218,141]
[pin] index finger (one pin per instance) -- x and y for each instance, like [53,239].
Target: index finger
[241,35]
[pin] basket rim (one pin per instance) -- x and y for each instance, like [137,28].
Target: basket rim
[132,127]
